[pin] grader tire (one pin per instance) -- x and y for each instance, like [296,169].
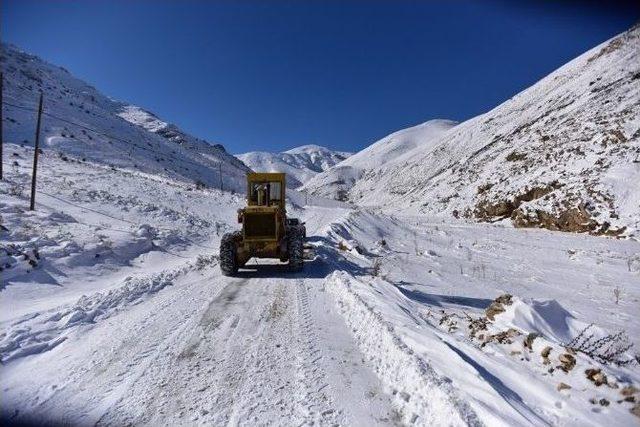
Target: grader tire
[228,259]
[296,250]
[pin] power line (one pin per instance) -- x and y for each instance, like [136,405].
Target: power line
[89,209]
[107,135]
[31,109]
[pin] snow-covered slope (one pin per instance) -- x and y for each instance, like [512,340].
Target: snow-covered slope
[300,164]
[80,122]
[563,154]
[337,181]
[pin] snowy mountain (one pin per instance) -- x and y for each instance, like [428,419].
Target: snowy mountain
[300,164]
[81,123]
[563,154]
[337,181]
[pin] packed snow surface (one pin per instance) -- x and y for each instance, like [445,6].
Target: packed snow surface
[300,163]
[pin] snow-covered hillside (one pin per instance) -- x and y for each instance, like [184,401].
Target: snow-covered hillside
[337,181]
[300,163]
[81,123]
[563,154]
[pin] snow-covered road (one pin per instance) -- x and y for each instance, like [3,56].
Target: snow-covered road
[257,351]
[266,348]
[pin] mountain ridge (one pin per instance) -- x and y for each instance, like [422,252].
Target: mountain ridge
[299,163]
[563,154]
[338,181]
[90,126]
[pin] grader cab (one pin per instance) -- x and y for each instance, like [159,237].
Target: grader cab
[266,232]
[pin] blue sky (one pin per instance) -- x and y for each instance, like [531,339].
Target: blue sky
[273,75]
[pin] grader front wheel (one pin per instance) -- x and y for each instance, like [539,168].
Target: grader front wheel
[228,258]
[296,250]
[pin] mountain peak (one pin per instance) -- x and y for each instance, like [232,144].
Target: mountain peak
[299,163]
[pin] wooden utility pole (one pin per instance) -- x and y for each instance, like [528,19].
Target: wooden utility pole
[1,121]
[32,206]
[220,172]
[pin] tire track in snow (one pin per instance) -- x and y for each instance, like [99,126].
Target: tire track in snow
[255,355]
[319,406]
[251,358]
[200,372]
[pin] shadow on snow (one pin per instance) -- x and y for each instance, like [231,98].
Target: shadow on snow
[443,300]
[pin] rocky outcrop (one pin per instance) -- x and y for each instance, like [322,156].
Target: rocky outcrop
[566,215]
[575,219]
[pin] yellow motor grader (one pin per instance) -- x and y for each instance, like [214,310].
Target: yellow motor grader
[266,232]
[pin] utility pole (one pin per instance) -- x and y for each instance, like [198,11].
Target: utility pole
[1,122]
[32,206]
[220,173]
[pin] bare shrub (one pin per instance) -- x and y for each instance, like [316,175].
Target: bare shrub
[376,267]
[204,261]
[16,188]
[607,349]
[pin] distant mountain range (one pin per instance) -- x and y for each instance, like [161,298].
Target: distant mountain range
[300,164]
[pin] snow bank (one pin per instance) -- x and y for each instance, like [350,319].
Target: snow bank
[416,299]
[422,395]
[546,317]
[39,332]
